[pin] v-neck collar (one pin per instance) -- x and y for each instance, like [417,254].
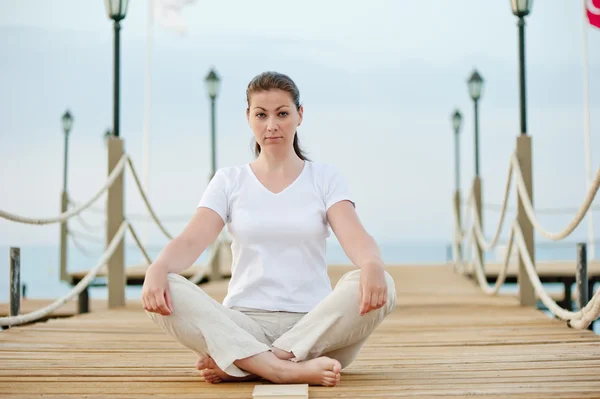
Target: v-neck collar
[289,186]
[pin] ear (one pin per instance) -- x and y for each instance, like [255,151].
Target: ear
[301,113]
[248,114]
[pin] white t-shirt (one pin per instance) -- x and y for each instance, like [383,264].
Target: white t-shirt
[278,240]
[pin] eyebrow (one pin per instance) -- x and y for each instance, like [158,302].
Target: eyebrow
[281,106]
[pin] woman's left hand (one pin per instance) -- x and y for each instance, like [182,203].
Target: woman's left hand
[373,289]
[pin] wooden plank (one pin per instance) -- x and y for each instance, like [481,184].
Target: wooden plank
[444,339]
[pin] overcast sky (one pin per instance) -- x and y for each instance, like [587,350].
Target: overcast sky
[378,81]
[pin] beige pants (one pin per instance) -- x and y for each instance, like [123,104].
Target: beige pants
[333,328]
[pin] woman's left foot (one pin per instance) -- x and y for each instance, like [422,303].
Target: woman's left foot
[213,374]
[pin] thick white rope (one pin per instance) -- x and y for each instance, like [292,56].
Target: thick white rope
[145,198]
[588,313]
[531,213]
[37,314]
[488,246]
[139,244]
[461,234]
[481,277]
[69,214]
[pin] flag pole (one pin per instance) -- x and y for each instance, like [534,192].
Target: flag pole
[586,127]
[147,108]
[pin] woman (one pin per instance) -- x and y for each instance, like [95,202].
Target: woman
[280,319]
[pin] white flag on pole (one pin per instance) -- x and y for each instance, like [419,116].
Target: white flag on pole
[168,14]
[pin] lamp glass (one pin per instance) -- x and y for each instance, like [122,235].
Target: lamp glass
[213,83]
[67,121]
[116,9]
[456,120]
[475,85]
[521,8]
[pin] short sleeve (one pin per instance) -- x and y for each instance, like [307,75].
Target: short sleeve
[336,188]
[216,195]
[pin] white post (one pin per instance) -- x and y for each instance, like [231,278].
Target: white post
[586,128]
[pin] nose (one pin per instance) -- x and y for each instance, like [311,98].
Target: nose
[272,125]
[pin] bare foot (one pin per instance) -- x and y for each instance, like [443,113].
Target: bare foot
[213,374]
[320,371]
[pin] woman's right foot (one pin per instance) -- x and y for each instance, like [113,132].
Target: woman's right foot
[320,371]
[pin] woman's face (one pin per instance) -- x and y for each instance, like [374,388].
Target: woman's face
[273,118]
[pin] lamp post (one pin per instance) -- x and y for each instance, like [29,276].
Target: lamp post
[522,8]
[527,297]
[456,122]
[212,83]
[67,124]
[116,9]
[475,84]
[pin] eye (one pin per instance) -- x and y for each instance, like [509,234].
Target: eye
[260,115]
[283,113]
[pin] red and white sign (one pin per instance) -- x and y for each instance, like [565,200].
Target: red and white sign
[593,12]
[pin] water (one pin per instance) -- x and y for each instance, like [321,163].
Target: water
[40,265]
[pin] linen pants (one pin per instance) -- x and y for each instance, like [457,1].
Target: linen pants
[333,328]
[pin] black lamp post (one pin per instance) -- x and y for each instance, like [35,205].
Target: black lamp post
[212,83]
[456,122]
[67,123]
[522,8]
[475,83]
[116,9]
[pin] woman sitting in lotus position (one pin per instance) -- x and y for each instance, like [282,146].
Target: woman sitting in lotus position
[280,320]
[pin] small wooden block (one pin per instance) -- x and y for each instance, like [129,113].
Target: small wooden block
[290,391]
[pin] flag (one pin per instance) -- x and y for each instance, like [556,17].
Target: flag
[593,12]
[168,14]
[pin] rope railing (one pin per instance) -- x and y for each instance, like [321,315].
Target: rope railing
[117,239]
[83,284]
[580,319]
[587,202]
[146,202]
[116,172]
[488,246]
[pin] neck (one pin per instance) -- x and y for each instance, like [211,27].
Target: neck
[279,160]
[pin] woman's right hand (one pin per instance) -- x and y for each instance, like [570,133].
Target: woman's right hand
[156,297]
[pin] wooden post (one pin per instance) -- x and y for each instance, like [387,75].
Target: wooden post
[478,201]
[581,276]
[114,218]
[458,227]
[15,281]
[64,276]
[526,291]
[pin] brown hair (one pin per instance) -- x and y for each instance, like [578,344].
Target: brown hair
[275,80]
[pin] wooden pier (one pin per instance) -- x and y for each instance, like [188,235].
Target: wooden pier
[444,339]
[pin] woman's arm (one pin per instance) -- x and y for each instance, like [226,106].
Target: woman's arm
[183,250]
[359,246]
[362,250]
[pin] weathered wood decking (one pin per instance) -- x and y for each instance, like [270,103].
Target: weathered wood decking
[445,338]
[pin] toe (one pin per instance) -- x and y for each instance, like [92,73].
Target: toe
[201,364]
[337,367]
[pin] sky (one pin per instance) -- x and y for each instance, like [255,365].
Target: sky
[378,81]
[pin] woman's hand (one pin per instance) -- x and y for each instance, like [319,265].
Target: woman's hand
[156,297]
[373,288]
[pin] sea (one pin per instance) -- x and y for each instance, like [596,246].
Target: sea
[40,265]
